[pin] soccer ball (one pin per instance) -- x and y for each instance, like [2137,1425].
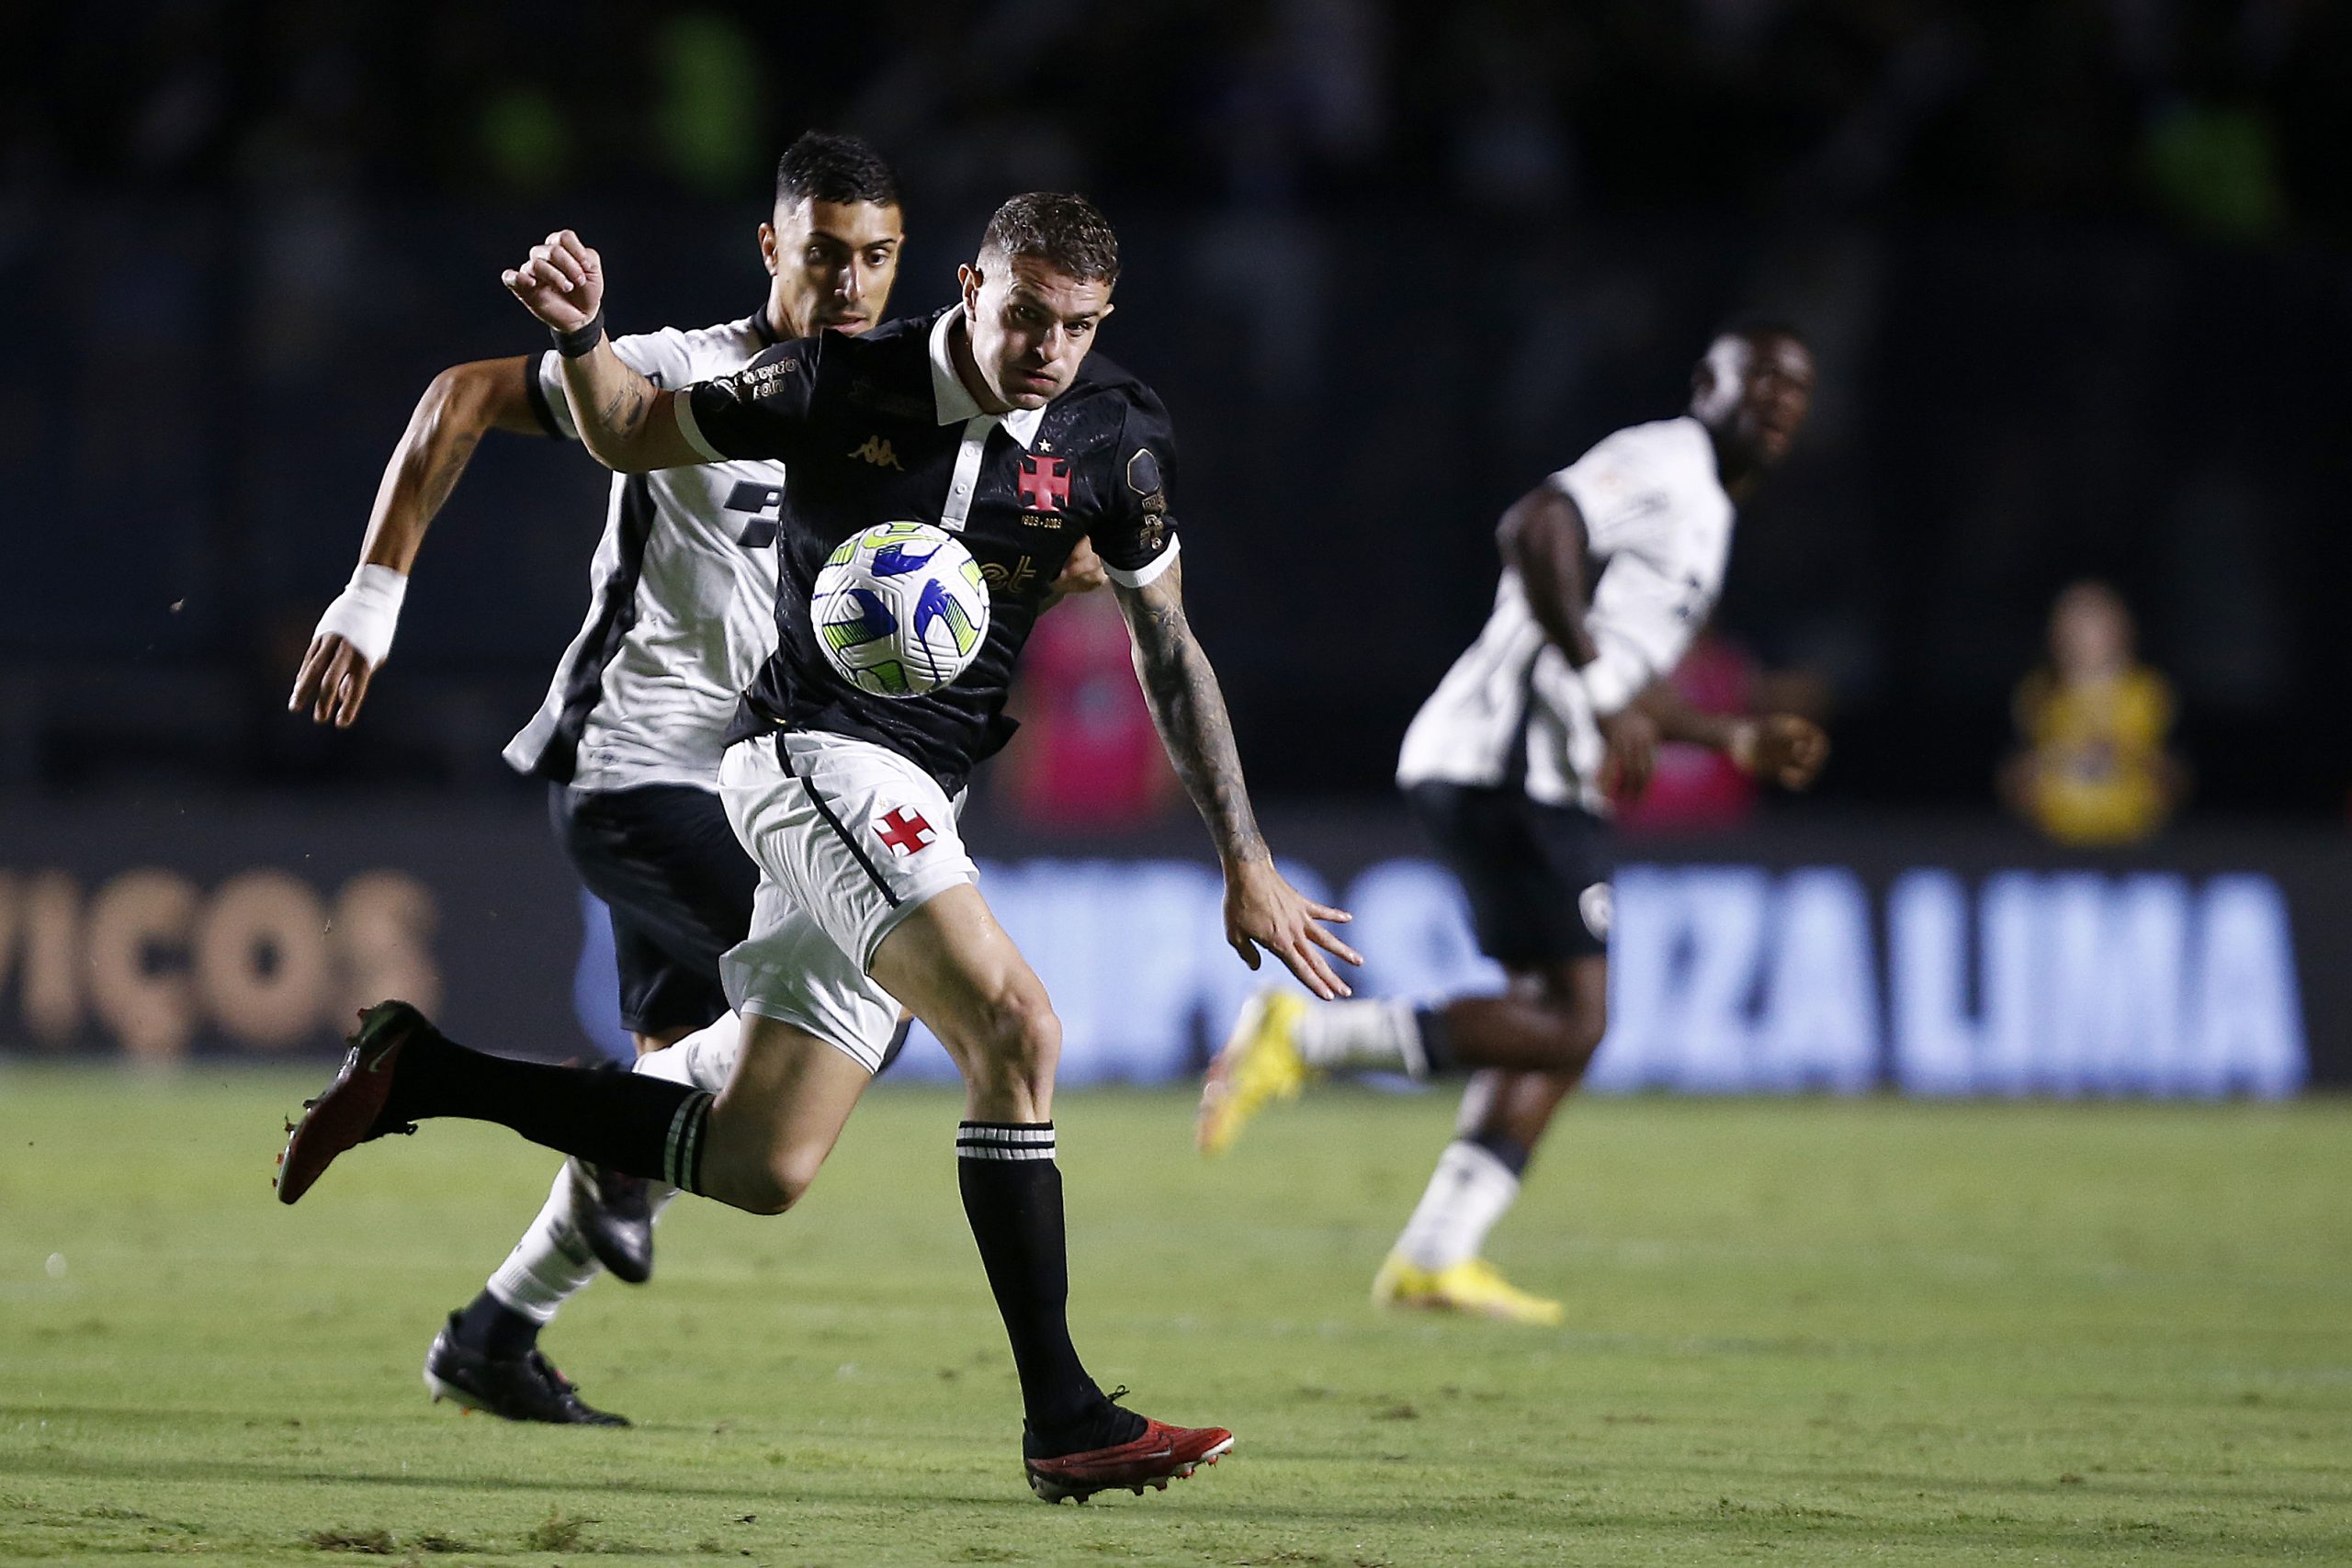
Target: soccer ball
[900,609]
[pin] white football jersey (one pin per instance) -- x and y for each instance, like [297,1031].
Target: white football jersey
[1512,711]
[682,607]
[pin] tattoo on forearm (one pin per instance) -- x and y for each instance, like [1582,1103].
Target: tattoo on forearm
[442,478]
[625,412]
[1189,709]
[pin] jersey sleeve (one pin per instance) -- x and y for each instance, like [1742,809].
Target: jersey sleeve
[1136,535]
[664,358]
[1649,601]
[1627,502]
[758,412]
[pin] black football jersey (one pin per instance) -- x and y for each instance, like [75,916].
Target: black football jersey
[877,429]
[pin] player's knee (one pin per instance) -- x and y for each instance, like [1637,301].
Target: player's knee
[1576,1021]
[777,1185]
[1021,1040]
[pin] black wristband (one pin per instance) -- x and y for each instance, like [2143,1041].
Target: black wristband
[582,339]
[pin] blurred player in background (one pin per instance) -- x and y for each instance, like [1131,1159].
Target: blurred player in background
[1610,566]
[682,592]
[992,422]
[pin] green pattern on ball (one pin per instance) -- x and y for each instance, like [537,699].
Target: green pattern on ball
[960,626]
[842,636]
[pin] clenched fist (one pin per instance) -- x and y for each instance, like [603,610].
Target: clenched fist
[562,283]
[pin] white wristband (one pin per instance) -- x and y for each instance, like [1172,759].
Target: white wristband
[365,612]
[1613,680]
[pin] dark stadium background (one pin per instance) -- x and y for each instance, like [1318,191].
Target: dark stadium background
[2079,277]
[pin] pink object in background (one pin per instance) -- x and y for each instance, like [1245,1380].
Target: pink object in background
[1694,787]
[1087,755]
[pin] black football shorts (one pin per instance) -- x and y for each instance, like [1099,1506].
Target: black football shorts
[666,863]
[1537,875]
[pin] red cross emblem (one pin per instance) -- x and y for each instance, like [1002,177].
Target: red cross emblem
[904,830]
[1045,484]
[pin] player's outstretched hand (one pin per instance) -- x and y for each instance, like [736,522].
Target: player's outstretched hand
[1786,750]
[1082,573]
[333,681]
[1262,910]
[561,282]
[1632,736]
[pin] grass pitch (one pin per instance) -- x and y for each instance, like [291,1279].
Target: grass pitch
[1805,1333]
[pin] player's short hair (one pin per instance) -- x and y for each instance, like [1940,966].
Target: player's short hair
[1761,329]
[1065,231]
[826,165]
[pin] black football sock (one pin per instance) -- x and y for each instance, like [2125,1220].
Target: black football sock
[1437,1041]
[633,1122]
[1013,1196]
[491,1327]
[1508,1152]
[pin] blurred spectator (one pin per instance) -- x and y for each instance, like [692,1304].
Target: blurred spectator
[2093,769]
[1087,756]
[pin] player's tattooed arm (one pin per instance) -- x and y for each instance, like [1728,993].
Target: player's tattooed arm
[1542,537]
[1188,706]
[626,422]
[1261,908]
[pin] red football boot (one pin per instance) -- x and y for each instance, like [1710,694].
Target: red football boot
[1159,1455]
[346,1114]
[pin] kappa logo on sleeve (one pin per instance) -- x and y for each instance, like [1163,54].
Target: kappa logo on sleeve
[905,832]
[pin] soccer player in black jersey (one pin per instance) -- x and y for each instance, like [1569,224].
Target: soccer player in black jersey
[992,421]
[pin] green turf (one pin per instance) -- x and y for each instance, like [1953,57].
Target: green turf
[1801,1333]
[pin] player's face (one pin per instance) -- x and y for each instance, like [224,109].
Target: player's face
[833,263]
[1030,325]
[1757,392]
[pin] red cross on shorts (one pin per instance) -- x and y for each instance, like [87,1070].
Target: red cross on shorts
[1045,484]
[904,831]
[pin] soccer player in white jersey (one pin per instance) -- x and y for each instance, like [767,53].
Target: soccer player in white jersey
[1505,767]
[680,615]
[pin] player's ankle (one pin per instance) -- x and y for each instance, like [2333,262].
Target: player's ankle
[1096,1424]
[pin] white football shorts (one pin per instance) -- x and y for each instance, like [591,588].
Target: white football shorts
[850,838]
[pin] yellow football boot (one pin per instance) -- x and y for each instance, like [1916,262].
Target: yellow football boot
[1259,1065]
[1471,1286]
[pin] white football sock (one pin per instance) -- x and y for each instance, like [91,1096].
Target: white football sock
[1467,1193]
[704,1059]
[1378,1036]
[552,1264]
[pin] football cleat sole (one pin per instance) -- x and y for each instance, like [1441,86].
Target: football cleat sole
[345,1113]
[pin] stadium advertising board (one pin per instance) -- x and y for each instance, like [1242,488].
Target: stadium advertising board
[1944,960]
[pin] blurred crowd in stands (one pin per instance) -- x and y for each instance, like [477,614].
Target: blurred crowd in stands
[2077,274]
[2224,118]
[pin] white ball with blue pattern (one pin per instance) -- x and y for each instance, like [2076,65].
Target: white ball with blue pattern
[900,609]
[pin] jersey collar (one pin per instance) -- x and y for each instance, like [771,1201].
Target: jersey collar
[956,404]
